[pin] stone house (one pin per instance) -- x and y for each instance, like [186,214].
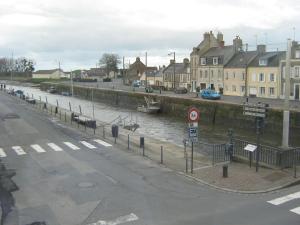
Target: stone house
[182,74]
[49,74]
[295,73]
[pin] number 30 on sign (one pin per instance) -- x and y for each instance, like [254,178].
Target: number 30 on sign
[193,114]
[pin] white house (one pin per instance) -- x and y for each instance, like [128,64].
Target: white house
[49,74]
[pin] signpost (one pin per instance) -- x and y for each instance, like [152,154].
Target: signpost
[250,148]
[259,111]
[193,118]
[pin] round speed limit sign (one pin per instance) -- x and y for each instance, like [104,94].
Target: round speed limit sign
[193,114]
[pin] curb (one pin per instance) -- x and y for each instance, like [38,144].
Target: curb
[292,183]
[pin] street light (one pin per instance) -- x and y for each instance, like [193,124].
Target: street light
[173,68]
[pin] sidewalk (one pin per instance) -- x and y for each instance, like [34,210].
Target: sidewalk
[240,178]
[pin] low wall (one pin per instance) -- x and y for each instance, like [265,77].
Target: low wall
[212,112]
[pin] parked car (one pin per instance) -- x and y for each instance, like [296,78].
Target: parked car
[52,90]
[136,83]
[210,94]
[19,93]
[149,89]
[180,90]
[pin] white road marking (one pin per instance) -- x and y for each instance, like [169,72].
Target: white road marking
[86,144]
[2,153]
[55,147]
[72,146]
[296,210]
[119,220]
[284,199]
[38,148]
[102,143]
[19,150]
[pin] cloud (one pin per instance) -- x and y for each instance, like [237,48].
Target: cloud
[78,32]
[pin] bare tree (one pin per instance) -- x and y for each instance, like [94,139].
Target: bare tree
[109,62]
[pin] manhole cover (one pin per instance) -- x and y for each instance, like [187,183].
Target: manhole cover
[85,185]
[11,116]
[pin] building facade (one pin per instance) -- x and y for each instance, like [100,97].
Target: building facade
[182,74]
[209,41]
[295,73]
[263,75]
[49,74]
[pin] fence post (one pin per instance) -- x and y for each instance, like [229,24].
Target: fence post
[104,131]
[128,142]
[85,125]
[51,110]
[65,116]
[186,162]
[161,155]
[60,114]
[295,164]
[143,150]
[192,157]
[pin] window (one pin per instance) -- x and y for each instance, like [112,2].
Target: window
[262,90]
[212,73]
[262,62]
[233,75]
[261,77]
[203,61]
[188,70]
[215,60]
[243,76]
[242,89]
[272,77]
[233,88]
[297,54]
[297,71]
[201,74]
[226,88]
[226,76]
[253,77]
[205,73]
[219,74]
[272,91]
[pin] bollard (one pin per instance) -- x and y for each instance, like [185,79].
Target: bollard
[161,155]
[225,171]
[142,142]
[143,150]
[128,142]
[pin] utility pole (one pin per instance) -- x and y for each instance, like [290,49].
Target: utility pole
[93,103]
[72,89]
[286,112]
[174,69]
[146,71]
[123,74]
[12,65]
[59,68]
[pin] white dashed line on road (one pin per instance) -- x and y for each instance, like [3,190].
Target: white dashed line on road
[2,153]
[88,145]
[72,146]
[102,143]
[120,220]
[38,148]
[19,150]
[284,199]
[55,147]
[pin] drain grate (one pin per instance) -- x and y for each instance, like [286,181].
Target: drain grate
[11,116]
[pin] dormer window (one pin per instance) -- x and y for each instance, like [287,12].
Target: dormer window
[215,60]
[203,61]
[263,62]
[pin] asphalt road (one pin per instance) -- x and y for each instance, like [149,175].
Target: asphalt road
[118,85]
[63,185]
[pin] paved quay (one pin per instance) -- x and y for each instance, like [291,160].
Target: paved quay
[68,176]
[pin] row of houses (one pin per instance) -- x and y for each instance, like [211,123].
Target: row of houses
[230,69]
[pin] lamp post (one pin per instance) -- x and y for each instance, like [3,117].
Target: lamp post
[173,68]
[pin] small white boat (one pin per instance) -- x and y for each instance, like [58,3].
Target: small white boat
[150,107]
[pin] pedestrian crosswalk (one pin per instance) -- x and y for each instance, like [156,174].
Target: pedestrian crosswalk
[287,198]
[55,147]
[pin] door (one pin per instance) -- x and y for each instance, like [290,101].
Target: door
[212,86]
[297,91]
[202,86]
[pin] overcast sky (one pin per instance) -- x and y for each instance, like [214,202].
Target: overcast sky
[78,32]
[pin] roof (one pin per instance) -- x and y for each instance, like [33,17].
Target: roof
[272,57]
[225,52]
[241,59]
[155,73]
[47,71]
[179,68]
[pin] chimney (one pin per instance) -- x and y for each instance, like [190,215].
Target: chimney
[206,36]
[172,61]
[222,44]
[219,37]
[237,43]
[261,49]
[186,61]
[138,59]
